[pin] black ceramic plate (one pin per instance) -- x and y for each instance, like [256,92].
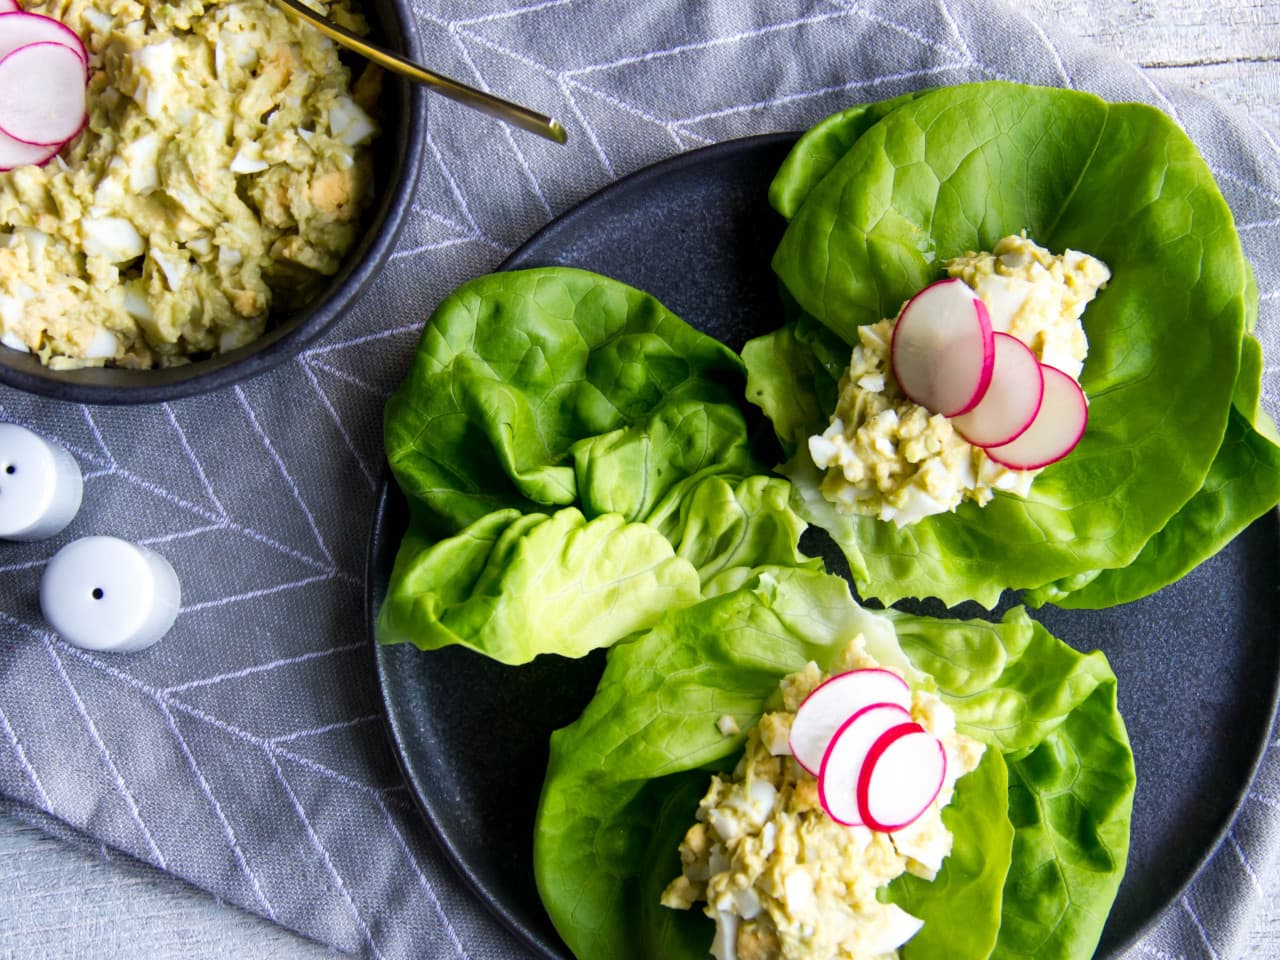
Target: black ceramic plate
[1197,663]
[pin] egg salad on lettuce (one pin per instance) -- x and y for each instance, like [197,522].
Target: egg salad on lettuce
[1177,458]
[221,175]
[781,878]
[889,457]
[626,780]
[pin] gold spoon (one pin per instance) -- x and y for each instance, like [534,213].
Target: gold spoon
[504,110]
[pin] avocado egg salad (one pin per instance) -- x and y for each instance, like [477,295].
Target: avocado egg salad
[1170,455]
[901,457]
[220,179]
[766,768]
[786,862]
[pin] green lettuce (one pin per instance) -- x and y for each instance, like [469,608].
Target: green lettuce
[971,881]
[821,148]
[515,369]
[1070,802]
[576,464]
[515,585]
[623,781]
[953,170]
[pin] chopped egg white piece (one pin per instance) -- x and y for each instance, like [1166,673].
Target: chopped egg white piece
[248,159]
[114,238]
[348,123]
[104,344]
[14,342]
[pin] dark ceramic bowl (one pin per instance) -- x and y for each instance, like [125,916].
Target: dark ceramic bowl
[397,163]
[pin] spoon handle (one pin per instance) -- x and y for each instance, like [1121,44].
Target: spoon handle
[487,103]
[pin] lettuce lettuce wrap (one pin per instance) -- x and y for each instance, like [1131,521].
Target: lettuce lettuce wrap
[576,463]
[1177,458]
[1041,829]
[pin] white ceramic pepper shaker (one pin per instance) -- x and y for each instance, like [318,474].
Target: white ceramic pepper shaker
[103,593]
[40,485]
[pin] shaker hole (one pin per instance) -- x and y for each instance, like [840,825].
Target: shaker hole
[97,593]
[11,469]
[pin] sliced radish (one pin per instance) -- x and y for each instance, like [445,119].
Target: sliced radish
[842,763]
[942,349]
[1012,399]
[20,29]
[15,153]
[42,94]
[903,773]
[9,6]
[1056,430]
[833,702]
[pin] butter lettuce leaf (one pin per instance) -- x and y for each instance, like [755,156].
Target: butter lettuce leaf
[515,368]
[653,717]
[1243,483]
[916,188]
[1070,801]
[793,375]
[972,879]
[633,469]
[577,463]
[727,526]
[515,585]
[820,148]
[1010,683]
[623,781]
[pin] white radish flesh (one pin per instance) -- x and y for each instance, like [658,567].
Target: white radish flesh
[9,6]
[1012,399]
[15,153]
[833,702]
[23,29]
[42,94]
[1057,428]
[942,349]
[842,763]
[903,773]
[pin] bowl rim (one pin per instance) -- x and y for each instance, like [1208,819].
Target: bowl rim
[274,347]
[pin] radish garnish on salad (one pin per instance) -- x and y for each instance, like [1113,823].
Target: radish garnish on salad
[43,73]
[968,391]
[787,863]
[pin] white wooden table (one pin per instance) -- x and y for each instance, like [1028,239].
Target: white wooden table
[57,901]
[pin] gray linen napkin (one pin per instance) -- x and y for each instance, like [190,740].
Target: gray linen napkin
[246,752]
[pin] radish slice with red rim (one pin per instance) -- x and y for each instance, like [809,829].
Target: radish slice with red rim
[15,153]
[42,94]
[942,349]
[9,6]
[842,763]
[1012,399]
[21,29]
[902,774]
[833,702]
[1057,428]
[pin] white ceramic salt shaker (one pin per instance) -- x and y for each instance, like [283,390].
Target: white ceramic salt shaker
[40,485]
[103,593]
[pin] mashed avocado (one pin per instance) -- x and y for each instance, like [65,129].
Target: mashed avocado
[784,881]
[221,176]
[893,459]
